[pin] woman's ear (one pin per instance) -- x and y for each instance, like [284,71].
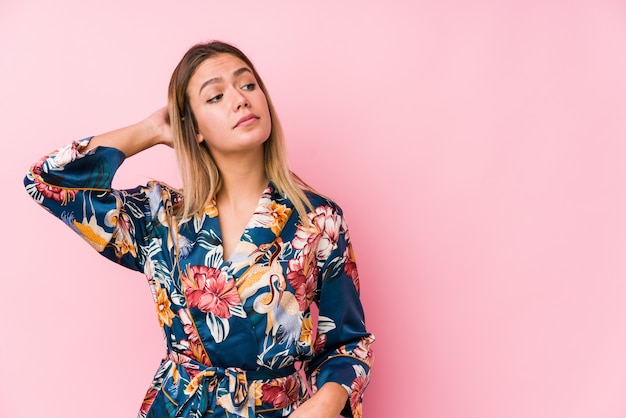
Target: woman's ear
[199,138]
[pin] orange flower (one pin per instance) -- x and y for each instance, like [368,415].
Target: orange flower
[211,209]
[271,215]
[306,334]
[93,233]
[163,308]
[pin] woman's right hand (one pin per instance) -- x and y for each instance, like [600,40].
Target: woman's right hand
[161,121]
[153,130]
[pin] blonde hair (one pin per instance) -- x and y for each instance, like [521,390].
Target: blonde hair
[199,173]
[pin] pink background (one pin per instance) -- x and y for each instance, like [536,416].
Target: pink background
[478,150]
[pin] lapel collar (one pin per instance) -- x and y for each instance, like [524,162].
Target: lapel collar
[260,235]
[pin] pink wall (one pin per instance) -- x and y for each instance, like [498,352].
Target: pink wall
[479,153]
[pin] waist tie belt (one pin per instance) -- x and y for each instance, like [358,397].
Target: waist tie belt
[206,386]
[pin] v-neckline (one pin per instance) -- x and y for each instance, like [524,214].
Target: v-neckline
[228,260]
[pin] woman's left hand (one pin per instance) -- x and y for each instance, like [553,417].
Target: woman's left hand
[326,403]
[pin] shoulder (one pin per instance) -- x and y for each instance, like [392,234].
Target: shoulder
[319,200]
[159,193]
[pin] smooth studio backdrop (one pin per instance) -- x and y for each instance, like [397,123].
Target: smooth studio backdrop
[478,150]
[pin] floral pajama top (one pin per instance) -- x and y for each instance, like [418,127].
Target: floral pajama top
[245,337]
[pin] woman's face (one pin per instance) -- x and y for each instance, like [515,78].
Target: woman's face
[230,108]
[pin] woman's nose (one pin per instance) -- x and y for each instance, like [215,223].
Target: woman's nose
[241,101]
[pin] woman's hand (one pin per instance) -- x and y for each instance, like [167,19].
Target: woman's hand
[163,131]
[153,130]
[326,403]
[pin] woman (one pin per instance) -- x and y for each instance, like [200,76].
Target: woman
[238,261]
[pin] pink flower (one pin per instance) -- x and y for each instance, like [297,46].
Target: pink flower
[362,350]
[303,280]
[55,193]
[208,289]
[350,267]
[322,237]
[195,347]
[358,386]
[281,393]
[49,191]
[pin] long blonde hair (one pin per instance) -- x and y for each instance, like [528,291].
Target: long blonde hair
[199,173]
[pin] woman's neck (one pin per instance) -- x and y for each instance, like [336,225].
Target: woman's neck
[243,180]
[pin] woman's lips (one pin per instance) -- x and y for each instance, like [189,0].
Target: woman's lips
[246,120]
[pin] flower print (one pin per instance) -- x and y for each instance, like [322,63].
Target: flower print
[327,221]
[322,236]
[271,215]
[320,343]
[152,283]
[281,392]
[184,246]
[303,281]
[304,237]
[355,397]
[199,353]
[161,201]
[306,333]
[196,349]
[66,155]
[362,350]
[184,361]
[57,194]
[188,327]
[349,266]
[256,388]
[344,228]
[208,289]
[193,384]
[211,209]
[154,194]
[148,400]
[196,380]
[163,306]
[93,233]
[122,232]
[356,390]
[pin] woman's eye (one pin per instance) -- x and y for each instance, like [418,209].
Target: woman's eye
[215,98]
[250,86]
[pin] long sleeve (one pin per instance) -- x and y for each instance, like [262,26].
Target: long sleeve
[247,319]
[76,187]
[342,346]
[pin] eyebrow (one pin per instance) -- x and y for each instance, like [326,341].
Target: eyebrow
[214,80]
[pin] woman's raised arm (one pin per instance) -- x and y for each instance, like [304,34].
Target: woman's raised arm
[132,139]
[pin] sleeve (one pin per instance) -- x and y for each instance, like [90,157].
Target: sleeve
[342,346]
[76,188]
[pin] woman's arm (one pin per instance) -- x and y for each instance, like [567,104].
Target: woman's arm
[327,402]
[153,130]
[343,354]
[74,183]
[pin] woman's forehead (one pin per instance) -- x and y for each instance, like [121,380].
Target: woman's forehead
[220,65]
